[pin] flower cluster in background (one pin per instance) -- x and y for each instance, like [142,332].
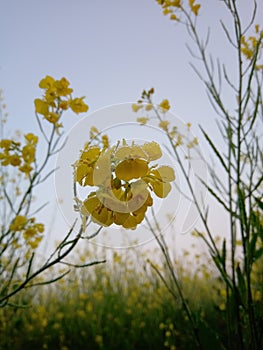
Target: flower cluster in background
[123,180]
[19,156]
[57,98]
[145,106]
[251,45]
[173,7]
[30,230]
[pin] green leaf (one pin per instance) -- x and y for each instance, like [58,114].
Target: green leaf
[241,282]
[223,257]
[217,152]
[260,203]
[258,254]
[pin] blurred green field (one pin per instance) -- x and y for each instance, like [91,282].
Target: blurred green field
[121,304]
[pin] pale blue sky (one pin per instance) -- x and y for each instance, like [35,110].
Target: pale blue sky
[109,50]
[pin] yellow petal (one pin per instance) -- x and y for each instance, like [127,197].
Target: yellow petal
[102,170]
[165,105]
[153,150]
[47,82]
[131,169]
[77,105]
[91,204]
[41,107]
[102,216]
[90,155]
[120,218]
[166,173]
[81,172]
[126,152]
[130,223]
[161,189]
[89,179]
[139,216]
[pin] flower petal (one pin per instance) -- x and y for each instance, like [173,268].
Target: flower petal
[167,173]
[161,189]
[131,169]
[153,150]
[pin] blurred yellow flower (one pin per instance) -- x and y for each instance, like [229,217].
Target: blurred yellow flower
[62,87]
[14,160]
[194,7]
[77,105]
[164,125]
[46,82]
[165,105]
[136,107]
[41,107]
[56,99]
[26,168]
[31,138]
[142,120]
[18,224]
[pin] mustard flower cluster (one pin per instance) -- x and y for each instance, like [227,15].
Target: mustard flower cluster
[30,230]
[122,180]
[250,45]
[173,7]
[57,98]
[145,105]
[19,156]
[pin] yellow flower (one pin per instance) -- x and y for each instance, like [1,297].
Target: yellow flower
[77,105]
[173,17]
[131,169]
[47,82]
[62,87]
[194,7]
[153,150]
[18,224]
[166,173]
[164,125]
[166,11]
[31,138]
[127,152]
[176,3]
[160,180]
[29,233]
[123,179]
[84,175]
[63,105]
[14,160]
[51,96]
[149,107]
[105,141]
[6,144]
[99,340]
[41,106]
[142,120]
[136,107]
[91,155]
[39,227]
[98,211]
[28,153]
[84,168]
[25,168]
[165,105]
[52,117]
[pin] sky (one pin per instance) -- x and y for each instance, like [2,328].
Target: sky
[109,51]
